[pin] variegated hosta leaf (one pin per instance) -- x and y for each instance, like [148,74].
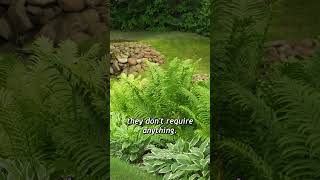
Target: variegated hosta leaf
[176,162]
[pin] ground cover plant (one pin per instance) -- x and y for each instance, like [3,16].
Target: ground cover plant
[266,126]
[183,160]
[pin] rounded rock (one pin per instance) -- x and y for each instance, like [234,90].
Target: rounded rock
[132,61]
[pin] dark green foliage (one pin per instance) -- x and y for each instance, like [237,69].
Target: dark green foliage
[268,125]
[158,15]
[54,110]
[22,170]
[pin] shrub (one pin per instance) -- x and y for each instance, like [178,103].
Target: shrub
[190,15]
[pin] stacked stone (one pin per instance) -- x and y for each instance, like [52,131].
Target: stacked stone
[55,19]
[281,50]
[131,57]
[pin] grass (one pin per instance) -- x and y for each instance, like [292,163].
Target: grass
[174,44]
[295,19]
[121,170]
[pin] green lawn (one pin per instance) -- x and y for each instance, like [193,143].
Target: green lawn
[121,170]
[174,44]
[295,19]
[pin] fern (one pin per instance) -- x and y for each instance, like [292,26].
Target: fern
[58,111]
[246,151]
[153,97]
[24,170]
[275,119]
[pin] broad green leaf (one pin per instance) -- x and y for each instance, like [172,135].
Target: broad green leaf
[174,167]
[177,174]
[125,145]
[194,176]
[183,159]
[166,169]
[133,157]
[192,167]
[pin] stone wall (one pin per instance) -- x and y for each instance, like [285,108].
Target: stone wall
[55,19]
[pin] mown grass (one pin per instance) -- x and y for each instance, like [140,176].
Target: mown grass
[174,44]
[120,170]
[295,19]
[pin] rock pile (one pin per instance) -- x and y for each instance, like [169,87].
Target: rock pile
[281,50]
[131,57]
[55,19]
[200,77]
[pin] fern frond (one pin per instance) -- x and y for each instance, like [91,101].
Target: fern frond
[248,152]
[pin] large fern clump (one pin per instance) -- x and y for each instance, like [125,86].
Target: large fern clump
[267,126]
[165,94]
[54,112]
[169,94]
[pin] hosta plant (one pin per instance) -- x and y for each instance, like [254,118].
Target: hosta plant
[182,160]
[127,141]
